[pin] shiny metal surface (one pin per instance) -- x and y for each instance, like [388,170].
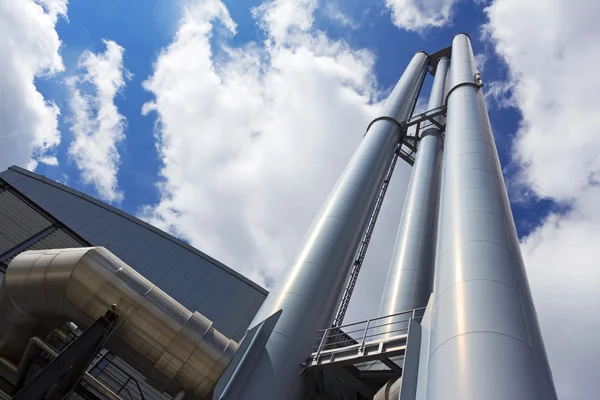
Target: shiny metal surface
[390,391]
[180,395]
[485,339]
[410,277]
[309,289]
[175,348]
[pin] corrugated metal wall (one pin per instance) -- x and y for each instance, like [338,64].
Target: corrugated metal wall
[18,221]
[23,226]
[57,239]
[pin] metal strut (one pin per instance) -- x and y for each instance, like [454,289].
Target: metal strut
[59,378]
[364,244]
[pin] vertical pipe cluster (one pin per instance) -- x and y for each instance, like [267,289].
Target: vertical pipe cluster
[410,277]
[485,339]
[309,288]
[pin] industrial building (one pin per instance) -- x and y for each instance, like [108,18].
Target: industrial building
[37,213]
[96,304]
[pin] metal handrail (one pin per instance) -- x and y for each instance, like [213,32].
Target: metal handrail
[369,328]
[409,312]
[372,326]
[389,334]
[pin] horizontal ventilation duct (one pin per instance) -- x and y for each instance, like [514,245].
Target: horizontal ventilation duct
[175,349]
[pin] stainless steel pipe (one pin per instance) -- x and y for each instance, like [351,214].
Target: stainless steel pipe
[173,347]
[485,338]
[410,277]
[309,289]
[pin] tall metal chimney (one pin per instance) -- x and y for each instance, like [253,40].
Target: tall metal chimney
[410,278]
[308,290]
[485,339]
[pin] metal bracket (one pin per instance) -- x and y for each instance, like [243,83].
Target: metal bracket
[423,122]
[408,143]
[231,382]
[58,379]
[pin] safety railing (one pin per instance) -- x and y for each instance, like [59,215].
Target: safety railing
[364,332]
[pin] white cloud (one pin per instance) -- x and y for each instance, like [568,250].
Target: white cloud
[481,60]
[333,12]
[97,126]
[551,49]
[285,18]
[30,47]
[418,15]
[54,7]
[500,94]
[253,142]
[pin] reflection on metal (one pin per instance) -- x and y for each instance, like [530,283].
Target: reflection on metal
[180,395]
[390,391]
[409,281]
[362,250]
[175,348]
[485,339]
[58,379]
[309,289]
[240,368]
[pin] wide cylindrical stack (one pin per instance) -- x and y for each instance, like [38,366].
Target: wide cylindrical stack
[485,339]
[309,288]
[410,278]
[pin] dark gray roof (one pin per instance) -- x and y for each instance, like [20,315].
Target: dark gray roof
[191,277]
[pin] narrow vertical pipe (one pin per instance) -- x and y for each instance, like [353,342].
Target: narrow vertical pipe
[410,277]
[308,289]
[485,339]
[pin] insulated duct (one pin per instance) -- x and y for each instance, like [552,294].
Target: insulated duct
[410,277]
[309,289]
[173,347]
[485,338]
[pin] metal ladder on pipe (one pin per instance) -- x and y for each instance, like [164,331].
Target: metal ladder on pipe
[405,150]
[364,244]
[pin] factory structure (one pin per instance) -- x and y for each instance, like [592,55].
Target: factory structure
[98,305]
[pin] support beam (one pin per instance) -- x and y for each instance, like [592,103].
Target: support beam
[391,365]
[62,374]
[353,382]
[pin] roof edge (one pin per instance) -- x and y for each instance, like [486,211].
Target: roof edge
[135,220]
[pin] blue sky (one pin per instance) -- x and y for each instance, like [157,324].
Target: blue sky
[227,123]
[144,31]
